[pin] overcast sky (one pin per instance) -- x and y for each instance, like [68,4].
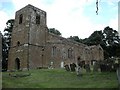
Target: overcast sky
[70,17]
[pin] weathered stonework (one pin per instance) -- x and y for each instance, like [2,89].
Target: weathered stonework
[32,46]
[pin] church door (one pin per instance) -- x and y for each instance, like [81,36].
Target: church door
[17,63]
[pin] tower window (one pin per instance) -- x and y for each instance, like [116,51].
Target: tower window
[37,19]
[20,18]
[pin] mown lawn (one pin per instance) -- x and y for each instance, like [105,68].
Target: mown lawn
[59,78]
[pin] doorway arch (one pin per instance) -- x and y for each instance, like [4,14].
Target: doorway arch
[17,64]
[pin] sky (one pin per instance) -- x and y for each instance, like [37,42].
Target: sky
[70,17]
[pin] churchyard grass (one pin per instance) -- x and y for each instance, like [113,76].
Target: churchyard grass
[59,78]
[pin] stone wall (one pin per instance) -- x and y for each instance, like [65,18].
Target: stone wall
[96,52]
[21,53]
[86,53]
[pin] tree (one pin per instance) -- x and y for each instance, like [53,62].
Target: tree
[112,41]
[8,31]
[6,41]
[111,36]
[54,31]
[108,39]
[94,39]
[4,54]
[74,38]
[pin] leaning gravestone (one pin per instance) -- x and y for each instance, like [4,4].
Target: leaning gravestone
[72,67]
[87,67]
[67,67]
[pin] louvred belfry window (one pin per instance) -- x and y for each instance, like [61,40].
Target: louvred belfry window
[20,18]
[37,19]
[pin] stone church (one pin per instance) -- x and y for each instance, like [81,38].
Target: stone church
[32,46]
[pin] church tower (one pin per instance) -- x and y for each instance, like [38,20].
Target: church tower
[28,39]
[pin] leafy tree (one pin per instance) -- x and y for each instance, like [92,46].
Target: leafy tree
[94,39]
[118,51]
[4,54]
[6,41]
[112,41]
[111,36]
[8,31]
[54,31]
[108,39]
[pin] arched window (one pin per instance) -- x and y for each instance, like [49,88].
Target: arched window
[53,51]
[20,18]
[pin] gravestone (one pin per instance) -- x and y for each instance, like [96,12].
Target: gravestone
[62,64]
[95,67]
[116,66]
[87,67]
[102,67]
[79,71]
[51,65]
[72,67]
[67,67]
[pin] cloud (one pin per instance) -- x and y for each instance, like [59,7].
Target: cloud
[66,15]
[3,20]
[114,23]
